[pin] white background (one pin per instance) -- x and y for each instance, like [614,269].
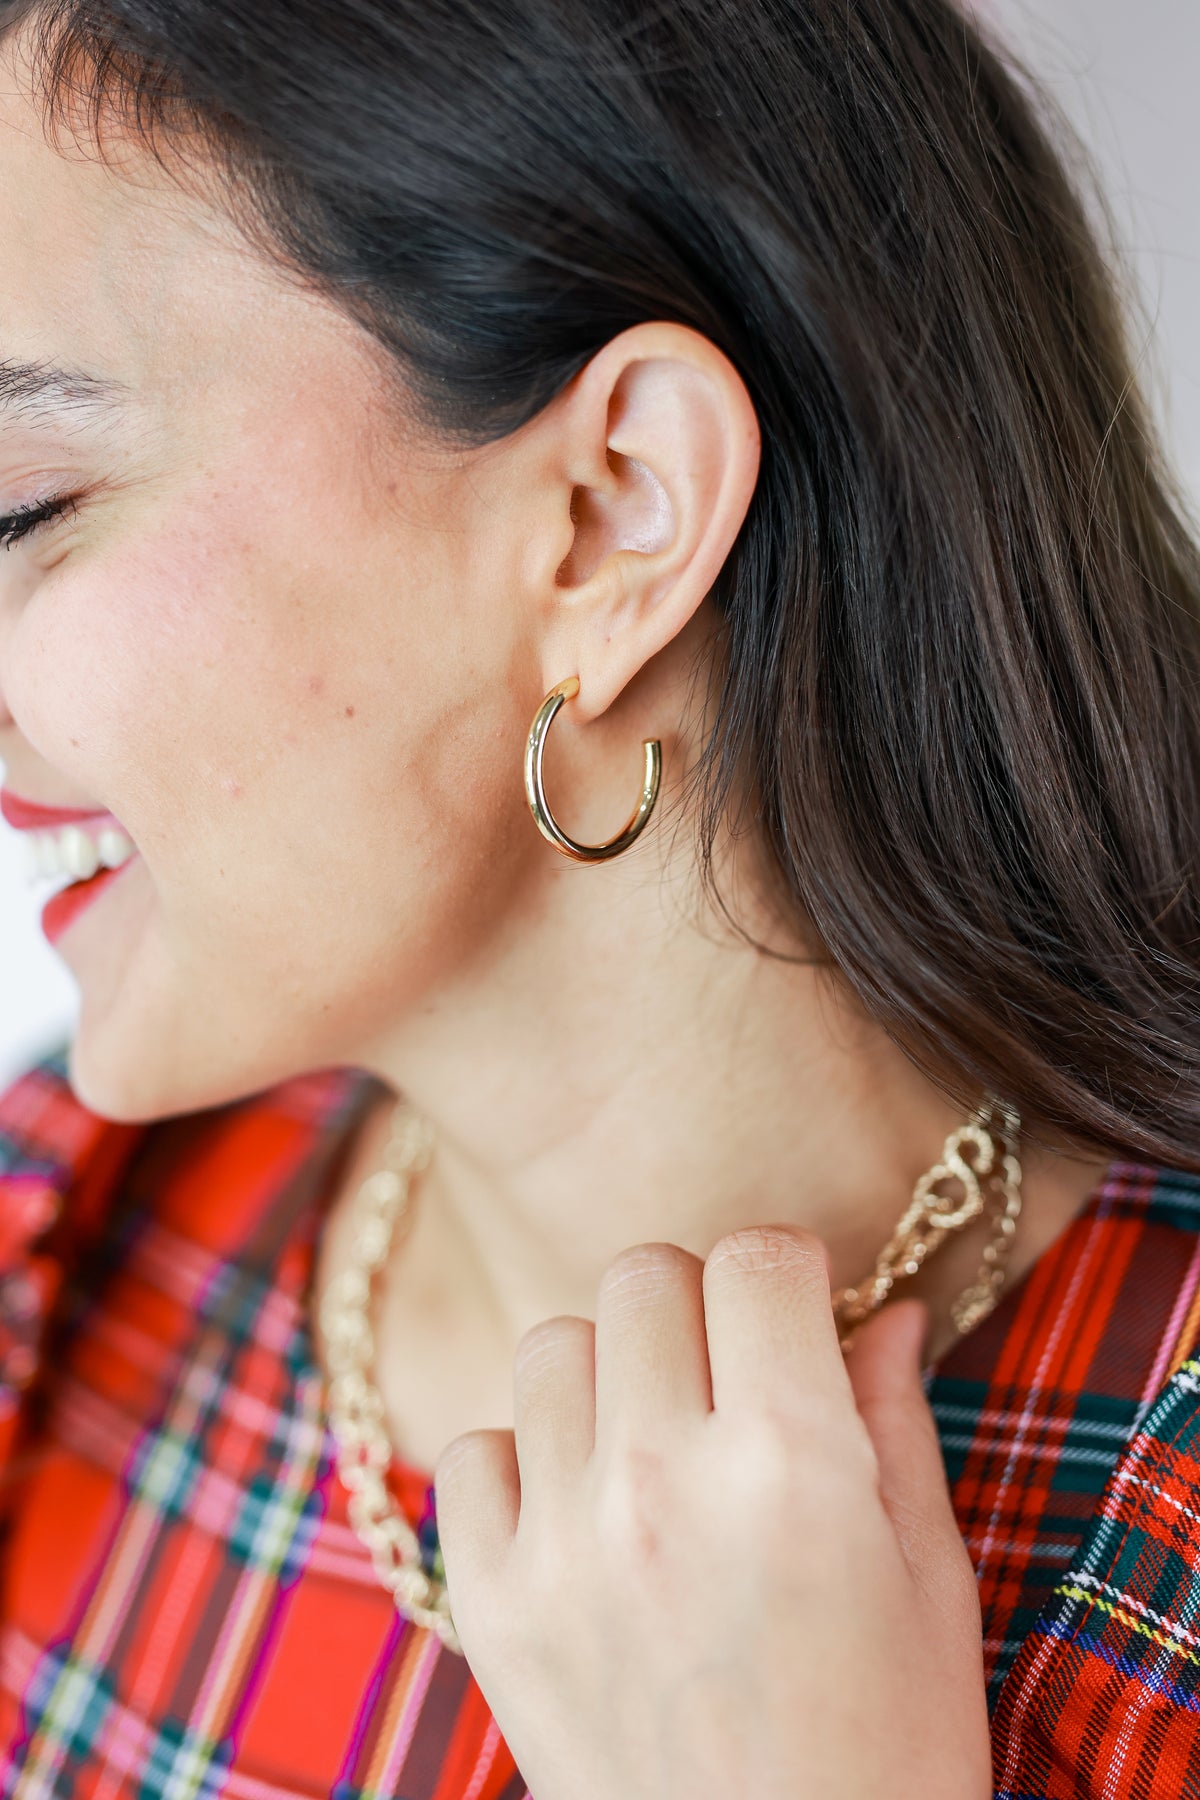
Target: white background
[1126,72]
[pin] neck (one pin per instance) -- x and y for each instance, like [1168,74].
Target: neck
[621,1076]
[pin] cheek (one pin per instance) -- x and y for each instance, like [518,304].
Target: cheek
[114,663]
[252,635]
[283,724]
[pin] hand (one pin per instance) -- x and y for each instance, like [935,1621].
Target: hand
[714,1557]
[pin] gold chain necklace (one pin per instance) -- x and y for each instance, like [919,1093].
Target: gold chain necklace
[981,1159]
[355,1405]
[979,1173]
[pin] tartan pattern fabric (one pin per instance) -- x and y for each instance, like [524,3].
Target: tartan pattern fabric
[187,1613]
[1036,1407]
[1123,1621]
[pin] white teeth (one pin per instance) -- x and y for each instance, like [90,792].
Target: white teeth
[78,852]
[114,847]
[74,852]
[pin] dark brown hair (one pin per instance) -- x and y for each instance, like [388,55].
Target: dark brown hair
[961,623]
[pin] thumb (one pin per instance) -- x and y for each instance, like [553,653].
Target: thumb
[884,1366]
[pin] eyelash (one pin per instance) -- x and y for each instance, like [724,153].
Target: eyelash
[28,519]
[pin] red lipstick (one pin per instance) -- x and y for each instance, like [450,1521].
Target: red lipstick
[64,906]
[30,815]
[69,902]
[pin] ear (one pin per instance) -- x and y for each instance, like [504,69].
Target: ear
[660,452]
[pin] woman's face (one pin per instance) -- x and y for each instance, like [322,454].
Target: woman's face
[270,639]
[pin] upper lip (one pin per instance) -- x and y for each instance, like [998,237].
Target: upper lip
[31,815]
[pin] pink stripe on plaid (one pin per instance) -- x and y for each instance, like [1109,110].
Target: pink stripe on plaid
[423,1650]
[240,1786]
[1170,1337]
[486,1763]
[1028,1415]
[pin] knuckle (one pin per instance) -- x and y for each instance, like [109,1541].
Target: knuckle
[770,1249]
[645,1265]
[770,1451]
[548,1580]
[634,1505]
[544,1342]
[849,1463]
[806,1459]
[468,1447]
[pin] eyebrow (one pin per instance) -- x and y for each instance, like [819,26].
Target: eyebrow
[37,392]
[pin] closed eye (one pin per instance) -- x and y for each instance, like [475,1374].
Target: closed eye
[28,519]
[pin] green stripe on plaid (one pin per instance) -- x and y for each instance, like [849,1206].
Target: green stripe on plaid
[1135,1595]
[1079,1502]
[77,1710]
[183,1765]
[1106,1687]
[281,1505]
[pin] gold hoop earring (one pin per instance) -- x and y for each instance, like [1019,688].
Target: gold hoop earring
[544,819]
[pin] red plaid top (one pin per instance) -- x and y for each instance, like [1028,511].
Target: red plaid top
[186,1611]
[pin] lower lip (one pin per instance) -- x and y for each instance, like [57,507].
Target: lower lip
[63,908]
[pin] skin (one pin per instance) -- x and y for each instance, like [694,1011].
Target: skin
[295,643]
[790,1631]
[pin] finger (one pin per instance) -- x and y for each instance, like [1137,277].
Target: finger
[651,1355]
[884,1366]
[477,1499]
[772,1338]
[554,1403]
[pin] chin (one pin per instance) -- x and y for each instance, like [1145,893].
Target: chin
[110,1090]
[133,1082]
[160,1075]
